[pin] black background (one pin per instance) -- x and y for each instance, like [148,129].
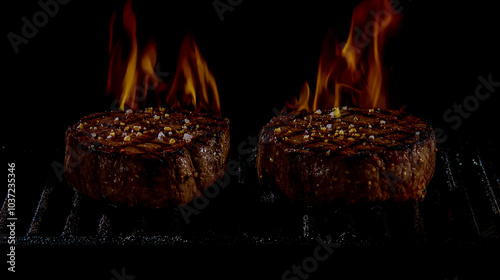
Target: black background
[260,55]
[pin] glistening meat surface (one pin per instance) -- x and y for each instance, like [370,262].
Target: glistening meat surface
[152,158]
[349,154]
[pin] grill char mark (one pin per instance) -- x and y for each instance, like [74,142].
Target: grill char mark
[353,167]
[145,170]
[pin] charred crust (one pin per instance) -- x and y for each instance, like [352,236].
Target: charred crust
[132,158]
[354,142]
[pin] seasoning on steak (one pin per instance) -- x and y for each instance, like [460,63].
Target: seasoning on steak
[152,158]
[347,154]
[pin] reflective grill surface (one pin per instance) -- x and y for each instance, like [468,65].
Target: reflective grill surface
[461,206]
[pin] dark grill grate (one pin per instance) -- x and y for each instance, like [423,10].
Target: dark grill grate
[461,206]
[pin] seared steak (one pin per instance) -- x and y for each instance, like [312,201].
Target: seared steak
[347,154]
[152,158]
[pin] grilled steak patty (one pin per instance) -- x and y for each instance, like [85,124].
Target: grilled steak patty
[347,154]
[153,158]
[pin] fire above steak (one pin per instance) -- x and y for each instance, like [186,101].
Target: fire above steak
[153,158]
[347,154]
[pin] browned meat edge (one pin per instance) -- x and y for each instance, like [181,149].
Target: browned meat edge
[146,169]
[379,155]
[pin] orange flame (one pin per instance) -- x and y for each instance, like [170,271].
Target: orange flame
[193,87]
[353,75]
[123,76]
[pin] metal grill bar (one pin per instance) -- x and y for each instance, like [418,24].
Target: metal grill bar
[417,219]
[461,210]
[454,185]
[3,216]
[36,222]
[72,225]
[105,228]
[487,185]
[379,213]
[451,179]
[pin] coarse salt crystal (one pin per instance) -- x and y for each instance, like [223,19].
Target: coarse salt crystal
[371,137]
[187,137]
[186,120]
[156,117]
[94,135]
[329,126]
[382,122]
[318,112]
[160,136]
[129,111]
